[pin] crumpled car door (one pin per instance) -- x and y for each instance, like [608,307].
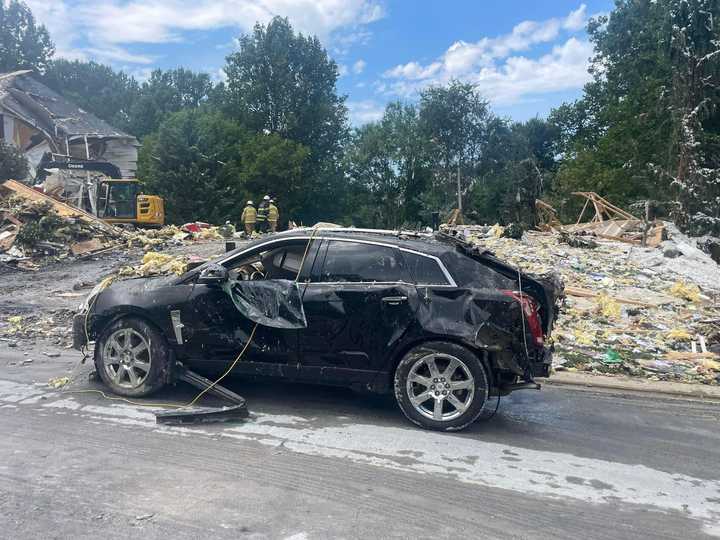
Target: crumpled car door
[217,329]
[276,303]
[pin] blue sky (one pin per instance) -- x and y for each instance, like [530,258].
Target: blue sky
[524,56]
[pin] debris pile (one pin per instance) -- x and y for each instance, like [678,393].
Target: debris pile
[613,223]
[173,235]
[629,309]
[36,226]
[156,264]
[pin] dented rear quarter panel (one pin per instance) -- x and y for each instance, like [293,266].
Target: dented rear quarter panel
[480,319]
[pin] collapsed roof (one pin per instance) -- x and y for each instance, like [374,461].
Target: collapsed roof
[48,111]
[38,120]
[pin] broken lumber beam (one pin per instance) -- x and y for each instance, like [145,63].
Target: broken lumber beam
[689,355]
[587,293]
[64,210]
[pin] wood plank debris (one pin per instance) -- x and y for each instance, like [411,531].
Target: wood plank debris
[613,223]
[65,210]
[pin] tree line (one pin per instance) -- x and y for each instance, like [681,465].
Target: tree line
[645,127]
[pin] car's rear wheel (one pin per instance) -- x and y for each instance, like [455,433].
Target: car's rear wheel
[441,386]
[132,357]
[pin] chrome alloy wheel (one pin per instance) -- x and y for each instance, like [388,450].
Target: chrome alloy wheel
[126,357]
[440,386]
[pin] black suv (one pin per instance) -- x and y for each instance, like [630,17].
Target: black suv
[440,322]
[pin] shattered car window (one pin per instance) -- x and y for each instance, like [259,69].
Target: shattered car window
[284,263]
[279,263]
[424,270]
[274,303]
[471,273]
[247,269]
[355,262]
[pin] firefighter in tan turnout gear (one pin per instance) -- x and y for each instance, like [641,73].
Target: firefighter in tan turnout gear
[273,216]
[248,218]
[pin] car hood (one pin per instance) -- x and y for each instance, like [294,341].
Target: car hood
[142,284]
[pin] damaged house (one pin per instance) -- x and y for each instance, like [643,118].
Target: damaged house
[44,125]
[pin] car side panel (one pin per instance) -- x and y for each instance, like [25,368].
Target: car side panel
[217,331]
[481,319]
[352,325]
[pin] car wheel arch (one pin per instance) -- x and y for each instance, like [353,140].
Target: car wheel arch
[122,312]
[399,354]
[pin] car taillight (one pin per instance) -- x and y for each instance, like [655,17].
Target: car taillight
[530,310]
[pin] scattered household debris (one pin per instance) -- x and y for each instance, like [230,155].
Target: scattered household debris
[455,218]
[156,264]
[54,327]
[34,227]
[575,240]
[629,309]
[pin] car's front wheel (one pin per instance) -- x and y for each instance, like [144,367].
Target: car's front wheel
[132,357]
[441,386]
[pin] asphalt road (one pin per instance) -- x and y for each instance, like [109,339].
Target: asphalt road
[316,462]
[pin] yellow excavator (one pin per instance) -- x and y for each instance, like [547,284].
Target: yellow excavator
[115,200]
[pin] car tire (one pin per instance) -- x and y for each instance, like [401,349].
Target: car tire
[133,368]
[457,372]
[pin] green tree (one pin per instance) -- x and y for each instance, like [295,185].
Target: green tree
[388,167]
[167,92]
[23,43]
[13,165]
[455,120]
[106,93]
[206,166]
[186,162]
[371,169]
[617,139]
[284,83]
[270,164]
[518,166]
[694,97]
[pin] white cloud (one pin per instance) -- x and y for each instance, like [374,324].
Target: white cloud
[577,20]
[343,41]
[98,25]
[342,70]
[141,74]
[358,67]
[414,71]
[499,72]
[112,53]
[218,75]
[362,112]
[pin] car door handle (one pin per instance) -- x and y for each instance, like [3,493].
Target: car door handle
[394,300]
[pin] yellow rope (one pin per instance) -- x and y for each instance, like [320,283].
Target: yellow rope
[239,356]
[130,401]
